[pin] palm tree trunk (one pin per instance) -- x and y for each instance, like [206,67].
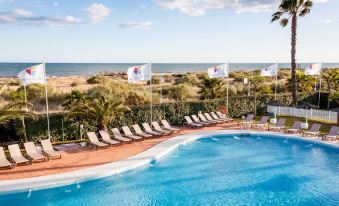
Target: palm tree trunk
[293,60]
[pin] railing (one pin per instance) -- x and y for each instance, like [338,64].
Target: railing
[324,115]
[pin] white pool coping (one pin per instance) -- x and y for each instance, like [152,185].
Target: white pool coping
[142,159]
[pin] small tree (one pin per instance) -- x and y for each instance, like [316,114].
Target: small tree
[256,83]
[104,110]
[181,92]
[331,79]
[211,88]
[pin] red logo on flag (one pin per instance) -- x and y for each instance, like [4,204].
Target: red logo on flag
[29,71]
[136,69]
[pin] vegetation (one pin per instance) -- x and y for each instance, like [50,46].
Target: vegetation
[304,82]
[256,82]
[211,88]
[293,9]
[331,79]
[103,110]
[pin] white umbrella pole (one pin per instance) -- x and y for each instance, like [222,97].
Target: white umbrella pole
[47,109]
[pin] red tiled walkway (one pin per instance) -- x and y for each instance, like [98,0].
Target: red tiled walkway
[87,157]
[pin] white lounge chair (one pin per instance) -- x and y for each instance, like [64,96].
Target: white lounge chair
[215,117]
[157,128]
[4,163]
[247,122]
[333,134]
[203,119]
[149,130]
[280,126]
[129,134]
[120,137]
[169,127]
[209,118]
[296,128]
[107,139]
[224,116]
[197,121]
[16,155]
[139,131]
[95,141]
[190,123]
[314,131]
[33,153]
[262,123]
[48,149]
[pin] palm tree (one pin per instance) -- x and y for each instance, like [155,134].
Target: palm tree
[305,83]
[13,110]
[104,110]
[211,88]
[256,82]
[293,9]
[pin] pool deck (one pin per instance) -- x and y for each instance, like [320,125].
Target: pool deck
[83,163]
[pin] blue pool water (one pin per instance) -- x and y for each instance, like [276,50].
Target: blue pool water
[218,170]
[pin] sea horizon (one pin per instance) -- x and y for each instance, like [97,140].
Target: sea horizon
[89,69]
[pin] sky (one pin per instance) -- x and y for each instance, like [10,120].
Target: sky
[167,31]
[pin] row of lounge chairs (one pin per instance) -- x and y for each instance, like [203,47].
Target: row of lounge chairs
[295,129]
[32,154]
[206,119]
[128,136]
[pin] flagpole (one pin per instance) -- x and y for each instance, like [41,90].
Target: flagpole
[228,69]
[23,118]
[47,109]
[276,82]
[319,85]
[150,91]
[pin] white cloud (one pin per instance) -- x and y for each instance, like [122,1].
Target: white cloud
[143,25]
[320,1]
[200,7]
[19,16]
[98,12]
[55,4]
[328,21]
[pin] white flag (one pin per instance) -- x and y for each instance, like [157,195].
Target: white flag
[34,74]
[313,69]
[269,71]
[139,73]
[218,71]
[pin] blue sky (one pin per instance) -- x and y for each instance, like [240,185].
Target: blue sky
[162,31]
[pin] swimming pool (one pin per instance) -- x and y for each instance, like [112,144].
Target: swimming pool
[217,170]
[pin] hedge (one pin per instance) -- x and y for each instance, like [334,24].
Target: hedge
[174,112]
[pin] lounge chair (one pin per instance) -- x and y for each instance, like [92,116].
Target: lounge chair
[203,119]
[149,130]
[16,155]
[33,153]
[248,121]
[95,141]
[333,134]
[197,121]
[224,116]
[314,131]
[169,127]
[296,128]
[279,126]
[215,117]
[190,123]
[107,138]
[209,118]
[139,131]
[4,163]
[157,128]
[48,149]
[262,123]
[129,134]
[118,136]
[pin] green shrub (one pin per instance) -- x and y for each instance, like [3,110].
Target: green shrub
[96,79]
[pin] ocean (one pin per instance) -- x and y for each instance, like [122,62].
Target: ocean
[86,69]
